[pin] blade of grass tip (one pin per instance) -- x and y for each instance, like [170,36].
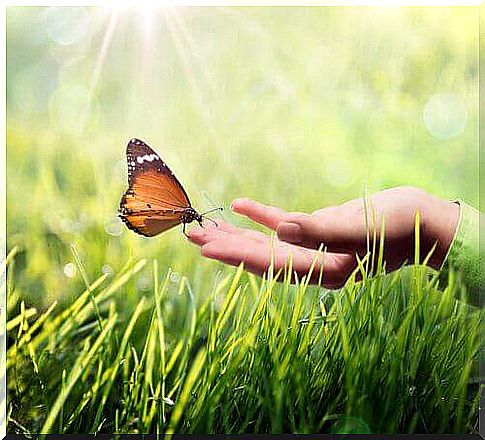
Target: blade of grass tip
[264,296]
[416,237]
[121,280]
[360,266]
[288,273]
[417,291]
[187,390]
[13,296]
[78,303]
[429,255]
[374,238]
[321,253]
[174,356]
[366,219]
[26,338]
[272,255]
[37,324]
[230,300]
[9,258]
[205,307]
[87,284]
[307,279]
[14,322]
[79,367]
[380,259]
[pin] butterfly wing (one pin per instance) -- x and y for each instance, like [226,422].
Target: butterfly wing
[154,200]
[149,224]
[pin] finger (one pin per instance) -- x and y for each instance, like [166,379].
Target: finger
[257,258]
[201,236]
[251,234]
[268,216]
[335,229]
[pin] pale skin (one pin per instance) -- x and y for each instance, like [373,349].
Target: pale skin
[340,229]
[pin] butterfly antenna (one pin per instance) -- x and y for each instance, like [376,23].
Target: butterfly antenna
[220,208]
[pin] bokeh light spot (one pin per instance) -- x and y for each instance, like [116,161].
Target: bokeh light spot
[144,282]
[445,115]
[72,109]
[113,226]
[66,25]
[70,270]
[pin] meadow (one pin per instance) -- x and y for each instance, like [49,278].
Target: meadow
[296,107]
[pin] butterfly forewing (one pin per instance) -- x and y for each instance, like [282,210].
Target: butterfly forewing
[147,171]
[155,200]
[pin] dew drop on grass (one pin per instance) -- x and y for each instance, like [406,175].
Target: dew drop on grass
[174,277]
[107,269]
[168,401]
[70,270]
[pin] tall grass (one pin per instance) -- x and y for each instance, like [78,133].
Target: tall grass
[392,353]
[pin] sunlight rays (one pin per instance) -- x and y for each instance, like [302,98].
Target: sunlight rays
[100,60]
[188,68]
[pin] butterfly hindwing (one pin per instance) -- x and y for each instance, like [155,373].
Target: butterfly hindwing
[147,224]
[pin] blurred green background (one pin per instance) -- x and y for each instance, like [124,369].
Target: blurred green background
[299,107]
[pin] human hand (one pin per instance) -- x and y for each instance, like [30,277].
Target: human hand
[341,229]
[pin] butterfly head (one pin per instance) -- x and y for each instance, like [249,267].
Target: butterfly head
[189,215]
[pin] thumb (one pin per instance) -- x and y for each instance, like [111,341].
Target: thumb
[335,232]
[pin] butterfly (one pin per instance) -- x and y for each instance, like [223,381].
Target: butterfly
[155,201]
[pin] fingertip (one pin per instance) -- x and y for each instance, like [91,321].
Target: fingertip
[195,233]
[238,203]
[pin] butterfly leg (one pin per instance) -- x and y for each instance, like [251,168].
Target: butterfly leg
[183,229]
[213,221]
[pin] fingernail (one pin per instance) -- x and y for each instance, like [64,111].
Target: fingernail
[289,232]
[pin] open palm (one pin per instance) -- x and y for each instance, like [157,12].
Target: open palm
[233,245]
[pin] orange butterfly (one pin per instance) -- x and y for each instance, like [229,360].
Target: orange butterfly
[155,201]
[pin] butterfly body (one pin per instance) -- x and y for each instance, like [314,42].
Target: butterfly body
[155,201]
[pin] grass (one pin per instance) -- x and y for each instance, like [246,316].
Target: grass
[392,353]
